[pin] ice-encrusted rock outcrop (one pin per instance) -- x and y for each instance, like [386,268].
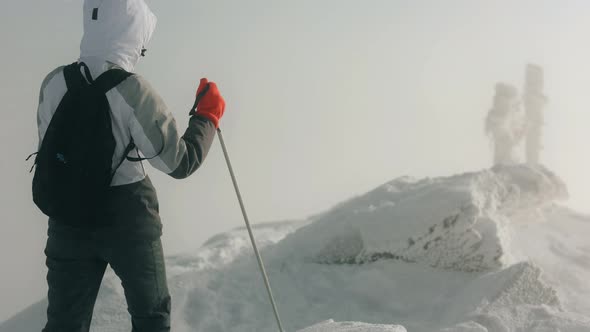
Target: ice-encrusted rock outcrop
[331,326]
[454,223]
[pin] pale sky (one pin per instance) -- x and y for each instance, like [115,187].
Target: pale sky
[326,99]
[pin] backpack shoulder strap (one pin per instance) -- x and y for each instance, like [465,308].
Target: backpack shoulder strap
[73,76]
[104,83]
[110,79]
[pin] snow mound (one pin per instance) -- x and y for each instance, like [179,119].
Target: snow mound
[224,248]
[331,326]
[455,223]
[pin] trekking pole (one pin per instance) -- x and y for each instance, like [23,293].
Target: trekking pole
[260,264]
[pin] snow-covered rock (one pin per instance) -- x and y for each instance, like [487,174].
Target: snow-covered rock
[455,223]
[224,248]
[331,326]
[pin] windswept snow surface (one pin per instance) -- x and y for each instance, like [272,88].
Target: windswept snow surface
[485,251]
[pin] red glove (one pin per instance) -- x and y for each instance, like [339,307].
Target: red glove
[211,105]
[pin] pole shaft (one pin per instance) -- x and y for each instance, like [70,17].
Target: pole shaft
[256,252]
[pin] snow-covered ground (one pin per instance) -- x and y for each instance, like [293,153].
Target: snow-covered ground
[484,251]
[330,325]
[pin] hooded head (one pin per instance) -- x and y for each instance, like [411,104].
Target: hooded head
[116,31]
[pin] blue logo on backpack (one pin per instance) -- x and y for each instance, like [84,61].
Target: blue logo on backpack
[61,158]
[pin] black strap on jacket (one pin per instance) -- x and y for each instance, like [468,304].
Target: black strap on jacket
[107,81]
[103,84]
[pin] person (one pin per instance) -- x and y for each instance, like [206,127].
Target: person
[116,33]
[505,124]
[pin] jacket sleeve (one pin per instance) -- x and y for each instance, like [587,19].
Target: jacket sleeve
[155,133]
[198,138]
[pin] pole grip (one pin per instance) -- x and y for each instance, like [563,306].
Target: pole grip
[198,99]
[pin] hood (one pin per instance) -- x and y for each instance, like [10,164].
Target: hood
[116,31]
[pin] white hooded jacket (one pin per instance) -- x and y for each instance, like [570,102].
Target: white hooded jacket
[115,32]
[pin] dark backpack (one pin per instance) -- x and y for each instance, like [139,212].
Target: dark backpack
[74,165]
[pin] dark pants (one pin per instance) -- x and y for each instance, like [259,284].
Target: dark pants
[77,261]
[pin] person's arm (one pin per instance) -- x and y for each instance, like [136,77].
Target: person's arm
[198,138]
[156,135]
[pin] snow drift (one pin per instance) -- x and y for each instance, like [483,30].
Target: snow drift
[485,251]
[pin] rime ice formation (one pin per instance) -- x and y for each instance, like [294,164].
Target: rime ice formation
[331,326]
[534,104]
[454,223]
[506,124]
